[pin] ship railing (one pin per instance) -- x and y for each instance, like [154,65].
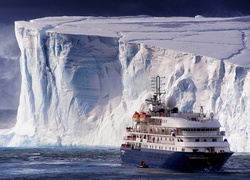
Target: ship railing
[133,138]
[126,145]
[152,134]
[161,142]
[192,116]
[180,134]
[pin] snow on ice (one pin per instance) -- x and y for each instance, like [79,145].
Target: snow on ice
[83,77]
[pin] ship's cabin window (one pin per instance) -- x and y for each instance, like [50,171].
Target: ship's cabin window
[203,129]
[197,140]
[183,149]
[214,140]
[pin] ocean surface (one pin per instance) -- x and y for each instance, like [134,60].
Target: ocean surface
[95,163]
[98,163]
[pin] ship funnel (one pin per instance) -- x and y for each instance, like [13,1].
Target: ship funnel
[170,102]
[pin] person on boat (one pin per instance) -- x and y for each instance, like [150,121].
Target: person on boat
[143,164]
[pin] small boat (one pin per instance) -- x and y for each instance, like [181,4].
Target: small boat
[142,165]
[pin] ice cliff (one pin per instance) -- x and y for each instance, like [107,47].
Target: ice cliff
[83,77]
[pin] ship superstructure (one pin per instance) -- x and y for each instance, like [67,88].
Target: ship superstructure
[164,137]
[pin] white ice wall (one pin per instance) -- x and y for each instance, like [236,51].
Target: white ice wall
[83,88]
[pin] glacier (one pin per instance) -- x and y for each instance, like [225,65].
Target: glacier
[83,77]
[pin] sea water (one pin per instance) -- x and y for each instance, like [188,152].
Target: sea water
[94,163]
[98,163]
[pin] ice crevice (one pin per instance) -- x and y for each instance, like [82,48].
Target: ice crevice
[83,77]
[239,51]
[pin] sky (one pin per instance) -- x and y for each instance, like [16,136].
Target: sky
[11,10]
[16,10]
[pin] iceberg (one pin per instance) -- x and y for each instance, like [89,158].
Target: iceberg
[83,77]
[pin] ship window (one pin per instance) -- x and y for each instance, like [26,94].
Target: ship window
[169,148]
[197,140]
[214,140]
[183,149]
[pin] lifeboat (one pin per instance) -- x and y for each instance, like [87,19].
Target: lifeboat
[136,117]
[144,118]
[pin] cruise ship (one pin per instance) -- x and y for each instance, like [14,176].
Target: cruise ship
[164,137]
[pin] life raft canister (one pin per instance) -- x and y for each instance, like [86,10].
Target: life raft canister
[145,118]
[136,117]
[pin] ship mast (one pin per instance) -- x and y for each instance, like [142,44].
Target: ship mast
[156,87]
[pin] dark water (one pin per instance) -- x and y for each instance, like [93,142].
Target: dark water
[98,163]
